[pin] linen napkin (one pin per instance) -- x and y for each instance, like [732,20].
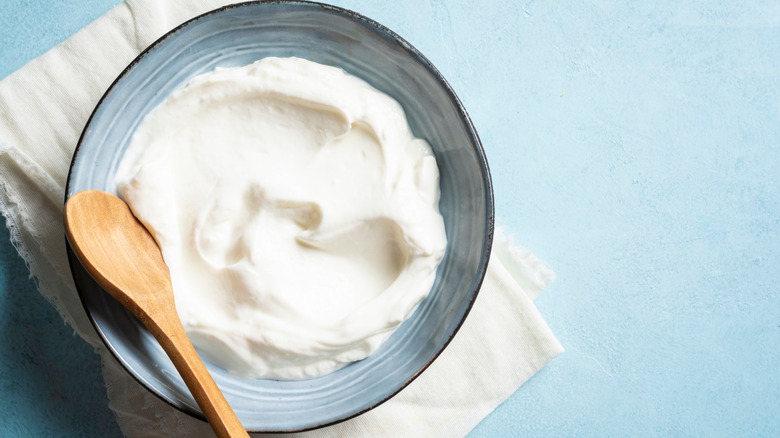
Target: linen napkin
[43,108]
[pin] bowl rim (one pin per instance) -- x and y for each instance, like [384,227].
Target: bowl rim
[73,261]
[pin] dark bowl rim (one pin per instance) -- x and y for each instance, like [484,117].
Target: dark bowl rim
[411,50]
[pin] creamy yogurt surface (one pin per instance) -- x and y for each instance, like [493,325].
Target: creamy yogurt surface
[297,213]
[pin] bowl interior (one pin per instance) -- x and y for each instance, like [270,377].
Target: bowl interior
[238,35]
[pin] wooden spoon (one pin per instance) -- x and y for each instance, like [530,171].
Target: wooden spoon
[121,255]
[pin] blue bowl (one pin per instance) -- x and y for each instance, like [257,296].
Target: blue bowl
[238,35]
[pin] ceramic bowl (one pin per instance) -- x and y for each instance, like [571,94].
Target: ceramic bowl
[238,35]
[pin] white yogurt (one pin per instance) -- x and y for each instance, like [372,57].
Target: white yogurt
[296,212]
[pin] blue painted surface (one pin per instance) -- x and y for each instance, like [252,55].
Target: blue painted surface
[635,148]
[50,383]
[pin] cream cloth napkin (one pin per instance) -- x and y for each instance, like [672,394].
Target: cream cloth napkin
[43,108]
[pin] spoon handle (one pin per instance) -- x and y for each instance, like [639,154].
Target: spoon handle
[173,339]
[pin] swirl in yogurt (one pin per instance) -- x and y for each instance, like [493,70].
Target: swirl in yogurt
[297,213]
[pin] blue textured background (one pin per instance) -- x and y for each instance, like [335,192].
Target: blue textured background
[634,147]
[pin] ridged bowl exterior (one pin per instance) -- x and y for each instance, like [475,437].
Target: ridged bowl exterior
[238,35]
